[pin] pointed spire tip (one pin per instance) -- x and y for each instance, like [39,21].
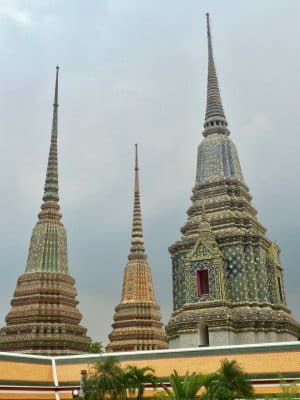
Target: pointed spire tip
[136,167]
[207,19]
[215,121]
[137,242]
[51,183]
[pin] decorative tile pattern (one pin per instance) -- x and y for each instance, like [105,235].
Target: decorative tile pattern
[179,290]
[217,160]
[44,318]
[212,275]
[137,320]
[246,276]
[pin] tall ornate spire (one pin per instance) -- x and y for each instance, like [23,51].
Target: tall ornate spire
[215,121]
[51,183]
[48,247]
[50,207]
[44,318]
[224,164]
[137,249]
[227,276]
[137,320]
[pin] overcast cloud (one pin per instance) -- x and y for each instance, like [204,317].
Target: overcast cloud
[135,71]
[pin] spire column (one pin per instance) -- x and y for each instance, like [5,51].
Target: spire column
[137,250]
[137,320]
[44,318]
[215,121]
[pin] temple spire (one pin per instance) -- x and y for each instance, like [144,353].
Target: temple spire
[215,121]
[137,249]
[137,320]
[51,183]
[44,318]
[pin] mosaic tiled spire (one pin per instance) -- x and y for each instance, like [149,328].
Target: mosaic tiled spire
[137,320]
[228,284]
[48,247]
[214,107]
[44,318]
[51,183]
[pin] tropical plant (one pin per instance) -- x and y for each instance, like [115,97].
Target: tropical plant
[95,347]
[187,387]
[136,379]
[230,382]
[106,379]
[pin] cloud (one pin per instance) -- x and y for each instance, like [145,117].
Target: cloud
[15,12]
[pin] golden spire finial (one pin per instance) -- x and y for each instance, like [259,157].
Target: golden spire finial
[137,249]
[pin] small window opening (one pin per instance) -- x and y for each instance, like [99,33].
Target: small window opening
[218,123]
[203,335]
[202,282]
[280,289]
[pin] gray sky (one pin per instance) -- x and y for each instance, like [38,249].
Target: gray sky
[135,71]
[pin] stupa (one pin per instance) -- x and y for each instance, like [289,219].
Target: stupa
[137,319]
[44,318]
[228,283]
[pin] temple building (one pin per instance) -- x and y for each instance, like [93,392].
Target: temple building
[44,318]
[137,319]
[228,284]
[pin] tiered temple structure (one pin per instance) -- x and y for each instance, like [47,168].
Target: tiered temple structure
[44,318]
[137,319]
[228,285]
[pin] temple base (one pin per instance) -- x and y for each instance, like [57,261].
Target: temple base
[224,323]
[44,318]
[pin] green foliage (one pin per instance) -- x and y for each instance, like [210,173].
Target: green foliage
[95,347]
[229,383]
[185,388]
[137,377]
[106,380]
